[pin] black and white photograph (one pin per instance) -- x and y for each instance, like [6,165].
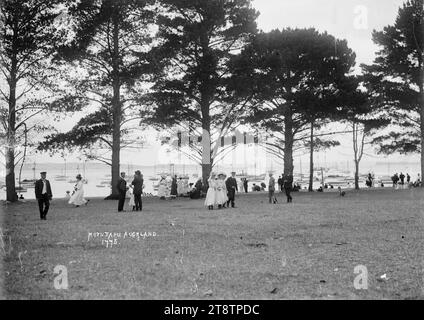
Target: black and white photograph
[211,150]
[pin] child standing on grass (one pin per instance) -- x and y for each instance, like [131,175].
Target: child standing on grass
[131,203]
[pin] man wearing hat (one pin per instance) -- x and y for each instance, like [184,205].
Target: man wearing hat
[122,188]
[231,185]
[43,193]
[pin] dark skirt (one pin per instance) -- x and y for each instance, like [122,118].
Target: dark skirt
[174,188]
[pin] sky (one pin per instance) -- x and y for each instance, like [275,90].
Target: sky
[353,20]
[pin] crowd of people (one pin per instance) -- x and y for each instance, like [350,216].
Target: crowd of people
[220,190]
[399,181]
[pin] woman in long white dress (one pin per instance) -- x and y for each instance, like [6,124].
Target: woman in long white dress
[162,188]
[221,191]
[77,197]
[210,195]
[180,187]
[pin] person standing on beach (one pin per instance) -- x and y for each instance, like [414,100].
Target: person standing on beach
[122,188]
[288,185]
[271,189]
[231,184]
[43,193]
[138,190]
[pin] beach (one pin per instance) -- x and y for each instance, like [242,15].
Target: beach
[176,249]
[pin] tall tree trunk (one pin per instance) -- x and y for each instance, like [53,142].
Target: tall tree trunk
[207,90]
[116,112]
[311,159]
[356,174]
[207,160]
[422,118]
[288,142]
[357,151]
[11,139]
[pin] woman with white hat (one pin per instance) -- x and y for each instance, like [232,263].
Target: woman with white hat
[163,185]
[210,195]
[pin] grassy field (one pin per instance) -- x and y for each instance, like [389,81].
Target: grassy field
[304,250]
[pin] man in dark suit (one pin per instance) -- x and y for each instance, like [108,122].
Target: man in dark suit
[138,190]
[245,185]
[43,193]
[280,182]
[122,188]
[231,185]
[288,185]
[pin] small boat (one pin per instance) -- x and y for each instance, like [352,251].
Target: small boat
[100,186]
[21,189]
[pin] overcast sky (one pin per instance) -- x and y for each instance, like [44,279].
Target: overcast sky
[353,20]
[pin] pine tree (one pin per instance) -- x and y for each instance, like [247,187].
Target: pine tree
[396,81]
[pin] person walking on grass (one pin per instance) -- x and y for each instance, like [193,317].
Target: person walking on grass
[77,197]
[174,188]
[231,184]
[280,183]
[402,180]
[43,194]
[271,189]
[137,184]
[395,180]
[162,188]
[122,189]
[288,186]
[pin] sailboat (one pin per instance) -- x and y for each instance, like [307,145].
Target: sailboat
[29,183]
[61,177]
[155,177]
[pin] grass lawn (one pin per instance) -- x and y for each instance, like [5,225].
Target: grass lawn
[304,250]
